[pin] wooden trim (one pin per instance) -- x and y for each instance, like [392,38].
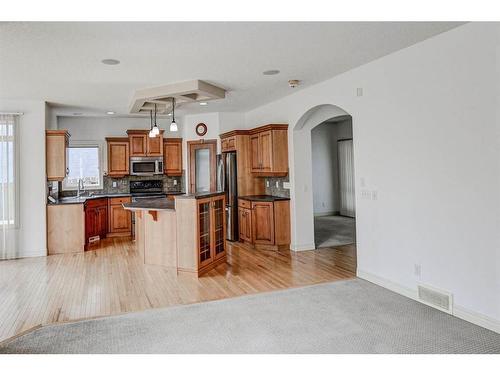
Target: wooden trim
[233,133]
[116,139]
[172,140]
[211,145]
[268,127]
[57,132]
[154,214]
[142,131]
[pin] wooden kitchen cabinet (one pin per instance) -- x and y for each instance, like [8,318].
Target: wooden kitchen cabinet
[172,156]
[118,156]
[119,219]
[56,153]
[201,233]
[142,145]
[228,144]
[269,150]
[265,224]
[96,219]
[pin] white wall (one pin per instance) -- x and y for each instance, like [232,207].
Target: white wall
[426,138]
[32,227]
[325,183]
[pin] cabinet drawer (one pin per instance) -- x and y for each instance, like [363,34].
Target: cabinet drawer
[119,200]
[244,203]
[92,203]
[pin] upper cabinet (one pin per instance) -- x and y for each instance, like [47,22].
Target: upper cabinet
[142,145]
[57,142]
[269,150]
[118,156]
[172,156]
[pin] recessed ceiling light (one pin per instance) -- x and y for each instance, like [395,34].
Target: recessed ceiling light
[110,113]
[110,61]
[271,72]
[203,103]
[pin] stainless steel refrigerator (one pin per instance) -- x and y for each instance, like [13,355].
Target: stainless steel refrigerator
[227,182]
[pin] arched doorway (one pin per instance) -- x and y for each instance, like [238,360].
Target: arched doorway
[302,193]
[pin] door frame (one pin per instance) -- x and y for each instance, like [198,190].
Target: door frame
[211,145]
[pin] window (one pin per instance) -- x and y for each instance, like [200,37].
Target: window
[9,204]
[84,162]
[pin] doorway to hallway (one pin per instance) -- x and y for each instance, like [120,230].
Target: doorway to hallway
[333,183]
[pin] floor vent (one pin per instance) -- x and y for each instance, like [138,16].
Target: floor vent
[436,298]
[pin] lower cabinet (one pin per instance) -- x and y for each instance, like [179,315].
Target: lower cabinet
[201,233]
[119,219]
[265,224]
[65,228]
[96,219]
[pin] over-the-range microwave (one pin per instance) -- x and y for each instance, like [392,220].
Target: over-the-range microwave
[146,166]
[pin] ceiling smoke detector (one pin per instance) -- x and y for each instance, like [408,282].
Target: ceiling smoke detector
[293,83]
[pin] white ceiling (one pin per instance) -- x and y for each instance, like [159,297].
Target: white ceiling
[61,62]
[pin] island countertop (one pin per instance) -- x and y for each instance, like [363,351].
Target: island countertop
[156,204]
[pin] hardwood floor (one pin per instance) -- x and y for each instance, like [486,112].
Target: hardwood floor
[112,280]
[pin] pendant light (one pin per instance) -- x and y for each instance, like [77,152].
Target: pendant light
[155,129]
[151,134]
[173,125]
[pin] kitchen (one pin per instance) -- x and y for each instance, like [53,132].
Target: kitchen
[143,195]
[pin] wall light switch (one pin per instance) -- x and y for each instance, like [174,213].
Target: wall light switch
[115,184]
[362,182]
[374,195]
[286,185]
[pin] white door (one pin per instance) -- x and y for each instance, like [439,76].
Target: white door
[346,177]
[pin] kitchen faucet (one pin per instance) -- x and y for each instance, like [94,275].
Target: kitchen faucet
[81,188]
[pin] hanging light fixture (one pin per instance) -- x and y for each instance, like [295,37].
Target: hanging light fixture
[151,134]
[155,130]
[173,125]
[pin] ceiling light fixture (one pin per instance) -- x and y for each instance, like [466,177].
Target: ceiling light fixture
[173,124]
[293,83]
[155,130]
[271,72]
[203,103]
[151,134]
[110,61]
[110,113]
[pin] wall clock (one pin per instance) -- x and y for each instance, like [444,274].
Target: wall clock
[201,129]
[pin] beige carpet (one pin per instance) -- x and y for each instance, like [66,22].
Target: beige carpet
[352,316]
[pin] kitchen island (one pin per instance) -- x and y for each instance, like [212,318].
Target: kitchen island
[187,234]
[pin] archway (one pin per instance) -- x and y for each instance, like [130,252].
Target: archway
[302,194]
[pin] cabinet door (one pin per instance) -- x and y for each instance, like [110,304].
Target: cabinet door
[204,232]
[172,154]
[245,224]
[266,151]
[138,144]
[119,219]
[255,152]
[155,145]
[219,232]
[263,223]
[90,223]
[56,143]
[118,158]
[102,221]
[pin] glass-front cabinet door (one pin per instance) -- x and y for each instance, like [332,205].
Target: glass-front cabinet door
[218,207]
[204,232]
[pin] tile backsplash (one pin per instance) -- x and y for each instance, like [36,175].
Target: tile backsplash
[278,191]
[122,185]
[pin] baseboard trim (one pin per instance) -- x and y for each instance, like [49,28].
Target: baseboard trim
[305,247]
[326,213]
[458,311]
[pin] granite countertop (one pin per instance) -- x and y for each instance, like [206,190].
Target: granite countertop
[200,195]
[83,199]
[263,198]
[156,204]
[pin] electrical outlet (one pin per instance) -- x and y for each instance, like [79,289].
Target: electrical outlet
[267,183]
[175,182]
[359,91]
[277,184]
[115,184]
[417,270]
